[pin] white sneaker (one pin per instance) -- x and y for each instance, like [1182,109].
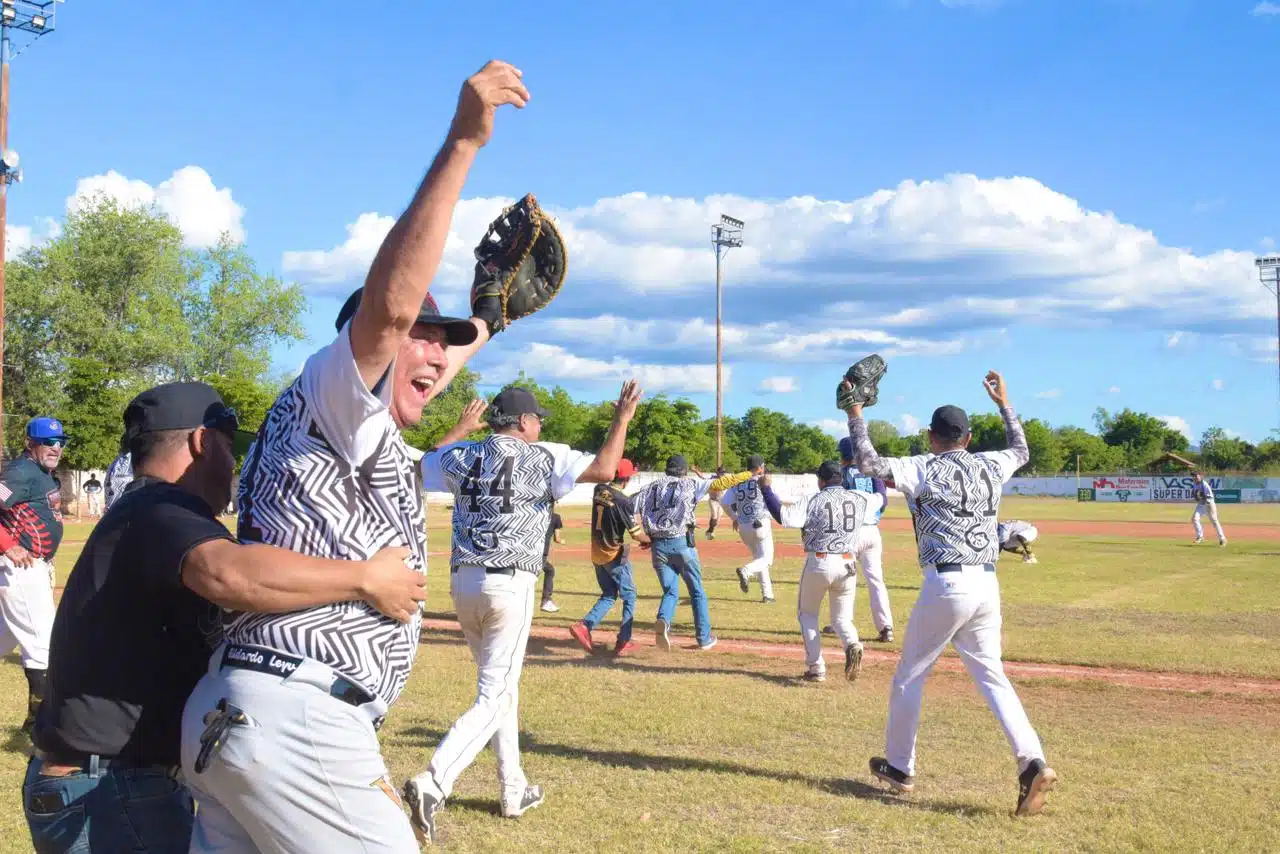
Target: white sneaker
[550,607]
[531,797]
[424,801]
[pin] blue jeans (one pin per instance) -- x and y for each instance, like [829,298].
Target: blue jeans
[673,559]
[126,809]
[614,580]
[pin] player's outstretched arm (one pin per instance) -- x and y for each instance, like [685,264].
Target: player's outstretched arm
[410,254]
[471,420]
[266,579]
[605,465]
[999,394]
[869,462]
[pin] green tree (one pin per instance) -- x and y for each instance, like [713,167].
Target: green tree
[804,448]
[1046,450]
[1143,437]
[1220,452]
[92,413]
[1095,454]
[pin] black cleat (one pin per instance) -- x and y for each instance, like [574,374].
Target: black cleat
[1034,785]
[422,811]
[886,635]
[743,584]
[899,780]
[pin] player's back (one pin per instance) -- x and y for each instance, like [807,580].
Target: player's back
[667,506]
[611,513]
[955,509]
[833,517]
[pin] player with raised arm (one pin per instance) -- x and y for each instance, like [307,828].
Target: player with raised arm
[666,508]
[869,549]
[829,520]
[503,486]
[279,738]
[954,496]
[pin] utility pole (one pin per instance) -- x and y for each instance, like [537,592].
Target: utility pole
[725,235]
[36,19]
[1269,275]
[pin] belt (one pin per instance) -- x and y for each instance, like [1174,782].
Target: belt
[262,660]
[846,555]
[493,570]
[66,764]
[956,567]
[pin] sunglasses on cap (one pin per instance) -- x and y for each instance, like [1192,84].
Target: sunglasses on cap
[228,423]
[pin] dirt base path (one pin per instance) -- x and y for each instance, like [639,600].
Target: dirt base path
[559,643]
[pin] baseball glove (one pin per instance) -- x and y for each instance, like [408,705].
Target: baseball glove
[864,381]
[520,265]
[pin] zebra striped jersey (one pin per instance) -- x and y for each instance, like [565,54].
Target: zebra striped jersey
[329,475]
[666,506]
[745,503]
[119,475]
[502,489]
[830,518]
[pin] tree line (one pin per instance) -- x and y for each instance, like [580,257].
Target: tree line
[116,304]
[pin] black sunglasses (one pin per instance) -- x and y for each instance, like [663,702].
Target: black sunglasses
[59,442]
[228,423]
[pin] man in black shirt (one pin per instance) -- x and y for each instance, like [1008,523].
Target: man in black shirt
[139,619]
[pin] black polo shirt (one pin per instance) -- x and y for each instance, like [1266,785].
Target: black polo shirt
[129,640]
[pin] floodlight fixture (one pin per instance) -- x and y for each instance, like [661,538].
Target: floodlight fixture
[725,235]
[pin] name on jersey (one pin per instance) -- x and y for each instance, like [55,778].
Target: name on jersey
[255,659]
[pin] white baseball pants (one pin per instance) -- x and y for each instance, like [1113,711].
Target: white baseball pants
[26,611]
[759,541]
[1212,511]
[870,552]
[304,775]
[961,608]
[495,612]
[832,575]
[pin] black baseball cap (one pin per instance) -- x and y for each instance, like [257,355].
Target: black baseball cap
[516,401]
[676,465]
[949,422]
[754,462]
[458,331]
[184,406]
[828,471]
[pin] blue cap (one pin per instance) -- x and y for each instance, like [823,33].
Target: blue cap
[846,448]
[45,428]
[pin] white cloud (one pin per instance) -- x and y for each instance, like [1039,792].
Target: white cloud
[20,238]
[1266,7]
[1173,340]
[833,427]
[1255,348]
[909,423]
[1115,389]
[188,197]
[778,385]
[1218,385]
[348,261]
[1051,394]
[1177,423]
[550,363]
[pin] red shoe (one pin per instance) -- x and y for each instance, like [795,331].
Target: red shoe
[582,635]
[624,648]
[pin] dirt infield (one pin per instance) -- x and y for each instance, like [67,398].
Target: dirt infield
[557,642]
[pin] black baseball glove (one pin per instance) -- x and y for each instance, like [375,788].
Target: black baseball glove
[520,265]
[864,381]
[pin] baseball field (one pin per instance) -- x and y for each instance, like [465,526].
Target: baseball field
[1149,666]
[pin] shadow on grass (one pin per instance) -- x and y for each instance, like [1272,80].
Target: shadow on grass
[623,664]
[426,737]
[17,742]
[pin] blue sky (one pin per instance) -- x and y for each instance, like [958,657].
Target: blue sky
[1071,191]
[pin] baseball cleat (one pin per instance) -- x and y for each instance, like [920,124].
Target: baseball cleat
[1034,784]
[743,585]
[852,661]
[530,798]
[423,807]
[1198,540]
[815,675]
[901,781]
[550,607]
[828,630]
[711,641]
[662,635]
[768,600]
[886,635]
[1222,542]
[624,649]
[1030,559]
[582,635]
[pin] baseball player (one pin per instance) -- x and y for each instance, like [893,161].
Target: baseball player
[666,508]
[745,505]
[954,496]
[279,737]
[612,518]
[1017,536]
[713,505]
[93,495]
[870,546]
[830,521]
[1205,504]
[548,568]
[119,475]
[30,531]
[503,488]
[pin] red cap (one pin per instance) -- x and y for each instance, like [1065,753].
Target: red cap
[625,469]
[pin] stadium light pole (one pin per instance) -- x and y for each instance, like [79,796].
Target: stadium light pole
[35,18]
[1269,275]
[725,235]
